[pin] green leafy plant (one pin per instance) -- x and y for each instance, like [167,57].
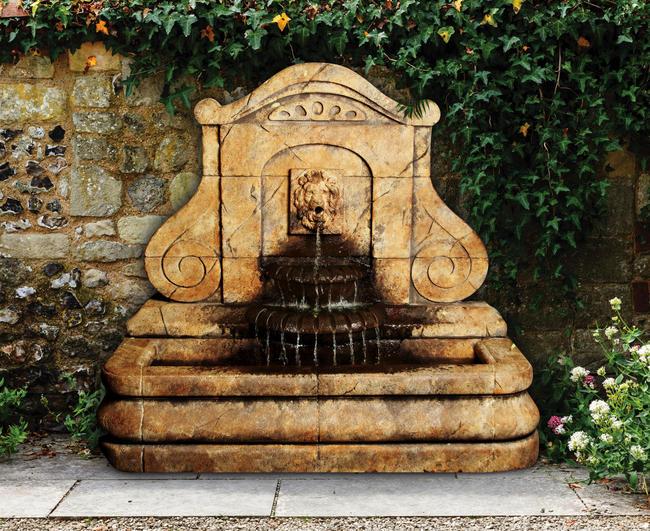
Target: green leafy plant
[12,433]
[81,423]
[603,420]
[533,93]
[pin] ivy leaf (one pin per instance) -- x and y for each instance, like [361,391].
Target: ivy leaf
[446,33]
[624,38]
[254,37]
[509,42]
[186,24]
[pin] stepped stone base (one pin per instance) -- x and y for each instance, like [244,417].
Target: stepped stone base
[351,458]
[440,401]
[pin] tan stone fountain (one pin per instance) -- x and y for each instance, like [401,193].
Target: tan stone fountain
[311,320]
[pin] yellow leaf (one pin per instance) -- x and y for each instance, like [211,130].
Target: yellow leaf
[35,6]
[516,5]
[458,4]
[489,19]
[91,61]
[446,33]
[281,20]
[100,27]
[524,129]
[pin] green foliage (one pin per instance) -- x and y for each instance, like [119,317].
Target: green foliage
[82,422]
[12,433]
[533,93]
[603,420]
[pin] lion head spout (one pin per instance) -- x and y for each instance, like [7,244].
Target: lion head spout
[316,199]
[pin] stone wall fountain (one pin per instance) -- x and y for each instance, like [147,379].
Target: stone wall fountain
[310,317]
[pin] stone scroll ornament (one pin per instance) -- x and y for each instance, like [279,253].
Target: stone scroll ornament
[450,261]
[182,258]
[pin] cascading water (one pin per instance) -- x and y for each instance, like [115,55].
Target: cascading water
[324,312]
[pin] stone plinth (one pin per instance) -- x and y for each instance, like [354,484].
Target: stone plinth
[437,386]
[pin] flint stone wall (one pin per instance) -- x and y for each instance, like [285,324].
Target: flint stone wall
[88,174]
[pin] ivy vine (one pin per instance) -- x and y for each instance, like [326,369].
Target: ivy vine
[533,92]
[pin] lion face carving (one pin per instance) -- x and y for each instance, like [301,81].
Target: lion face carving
[316,199]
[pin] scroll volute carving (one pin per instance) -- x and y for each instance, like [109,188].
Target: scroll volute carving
[450,261]
[182,259]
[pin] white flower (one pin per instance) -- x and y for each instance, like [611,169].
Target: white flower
[606,438]
[596,334]
[615,303]
[616,423]
[599,409]
[644,350]
[637,453]
[609,384]
[578,374]
[578,441]
[559,430]
[610,332]
[601,371]
[567,420]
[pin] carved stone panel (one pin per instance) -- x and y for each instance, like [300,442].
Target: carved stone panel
[316,146]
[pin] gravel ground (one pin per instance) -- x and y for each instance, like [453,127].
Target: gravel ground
[525,523]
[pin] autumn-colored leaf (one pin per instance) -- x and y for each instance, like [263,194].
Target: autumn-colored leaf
[281,20]
[469,51]
[524,129]
[516,5]
[91,61]
[583,43]
[208,33]
[359,18]
[458,5]
[100,27]
[59,26]
[388,4]
[446,33]
[489,19]
[525,48]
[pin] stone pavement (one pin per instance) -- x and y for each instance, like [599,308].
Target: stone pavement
[48,479]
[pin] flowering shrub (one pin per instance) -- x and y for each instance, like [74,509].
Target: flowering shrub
[606,426]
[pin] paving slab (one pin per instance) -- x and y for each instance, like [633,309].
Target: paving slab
[428,496]
[175,497]
[31,499]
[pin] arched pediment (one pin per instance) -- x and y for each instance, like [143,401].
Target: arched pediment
[306,80]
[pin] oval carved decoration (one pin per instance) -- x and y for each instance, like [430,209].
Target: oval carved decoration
[318,107]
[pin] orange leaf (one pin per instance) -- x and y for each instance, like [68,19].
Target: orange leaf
[583,43]
[524,129]
[91,61]
[100,27]
[281,20]
[208,33]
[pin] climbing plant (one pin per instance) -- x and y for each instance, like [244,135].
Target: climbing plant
[533,92]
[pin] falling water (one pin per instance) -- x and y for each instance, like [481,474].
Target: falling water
[354,300]
[351,346]
[334,346]
[365,349]
[268,340]
[298,349]
[283,356]
[316,350]
[378,339]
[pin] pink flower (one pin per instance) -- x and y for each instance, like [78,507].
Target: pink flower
[555,424]
[589,381]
